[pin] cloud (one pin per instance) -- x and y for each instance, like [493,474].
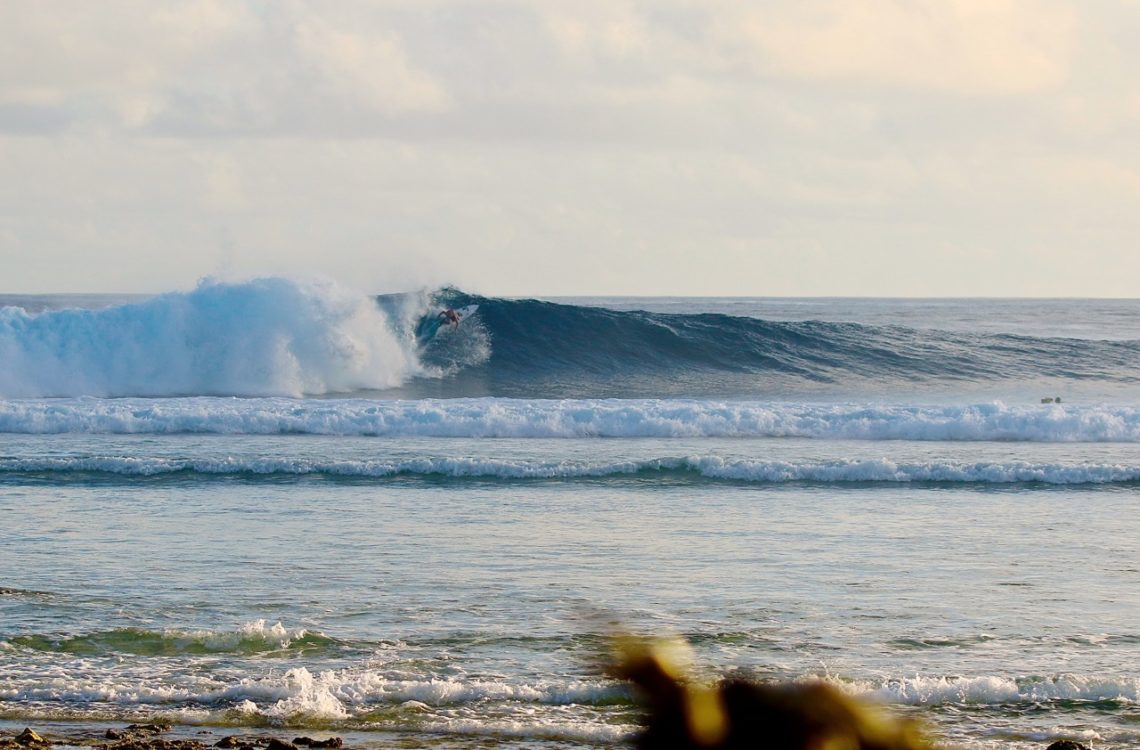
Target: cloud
[968,47]
[371,70]
[647,146]
[204,67]
[509,69]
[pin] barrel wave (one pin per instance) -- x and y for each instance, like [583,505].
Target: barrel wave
[280,337]
[533,348]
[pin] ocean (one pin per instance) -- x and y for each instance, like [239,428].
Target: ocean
[284,505]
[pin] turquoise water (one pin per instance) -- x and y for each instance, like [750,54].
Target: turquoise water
[447,571]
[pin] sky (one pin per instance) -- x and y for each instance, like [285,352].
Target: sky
[584,147]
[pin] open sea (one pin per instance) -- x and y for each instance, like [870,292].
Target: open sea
[284,504]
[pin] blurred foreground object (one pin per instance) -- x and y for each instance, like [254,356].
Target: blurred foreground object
[684,714]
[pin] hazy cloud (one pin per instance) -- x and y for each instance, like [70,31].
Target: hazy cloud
[815,147]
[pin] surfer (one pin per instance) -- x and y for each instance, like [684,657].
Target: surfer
[450,316]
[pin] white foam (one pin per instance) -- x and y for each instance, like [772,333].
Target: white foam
[709,466]
[535,728]
[310,696]
[995,690]
[330,694]
[262,337]
[543,418]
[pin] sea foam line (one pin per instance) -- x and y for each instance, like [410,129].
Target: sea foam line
[572,418]
[995,689]
[340,694]
[298,692]
[708,467]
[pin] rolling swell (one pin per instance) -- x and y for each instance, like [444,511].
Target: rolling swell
[280,337]
[560,350]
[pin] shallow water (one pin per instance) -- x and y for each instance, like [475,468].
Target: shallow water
[446,572]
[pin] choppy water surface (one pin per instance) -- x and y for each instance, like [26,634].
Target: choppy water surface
[810,505]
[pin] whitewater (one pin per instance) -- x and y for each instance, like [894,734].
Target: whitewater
[285,503]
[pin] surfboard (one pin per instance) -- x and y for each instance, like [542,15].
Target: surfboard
[466,312]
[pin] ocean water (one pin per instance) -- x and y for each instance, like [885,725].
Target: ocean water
[284,504]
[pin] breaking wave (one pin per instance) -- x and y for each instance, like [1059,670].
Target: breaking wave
[585,418]
[282,337]
[263,337]
[696,467]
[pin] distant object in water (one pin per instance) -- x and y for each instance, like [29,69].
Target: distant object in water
[1051,400]
[684,714]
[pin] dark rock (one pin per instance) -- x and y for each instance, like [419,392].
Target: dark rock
[276,744]
[148,728]
[310,742]
[113,735]
[29,737]
[1067,744]
[227,742]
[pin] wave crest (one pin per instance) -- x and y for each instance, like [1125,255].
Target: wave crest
[263,337]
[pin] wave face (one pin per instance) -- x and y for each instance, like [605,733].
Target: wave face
[281,337]
[534,348]
[263,337]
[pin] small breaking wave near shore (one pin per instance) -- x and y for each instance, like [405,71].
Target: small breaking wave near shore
[695,467]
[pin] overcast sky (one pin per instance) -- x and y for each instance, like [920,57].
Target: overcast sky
[786,147]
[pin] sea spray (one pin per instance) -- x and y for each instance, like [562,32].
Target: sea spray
[263,337]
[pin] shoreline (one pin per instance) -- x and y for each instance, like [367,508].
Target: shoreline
[117,735]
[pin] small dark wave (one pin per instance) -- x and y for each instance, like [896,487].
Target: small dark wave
[254,640]
[686,469]
[5,591]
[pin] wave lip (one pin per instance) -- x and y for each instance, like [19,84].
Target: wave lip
[263,337]
[573,418]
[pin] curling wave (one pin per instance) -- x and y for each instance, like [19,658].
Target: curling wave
[281,337]
[542,348]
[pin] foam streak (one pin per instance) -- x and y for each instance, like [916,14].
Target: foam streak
[586,418]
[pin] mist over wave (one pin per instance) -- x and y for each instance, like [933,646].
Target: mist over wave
[263,337]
